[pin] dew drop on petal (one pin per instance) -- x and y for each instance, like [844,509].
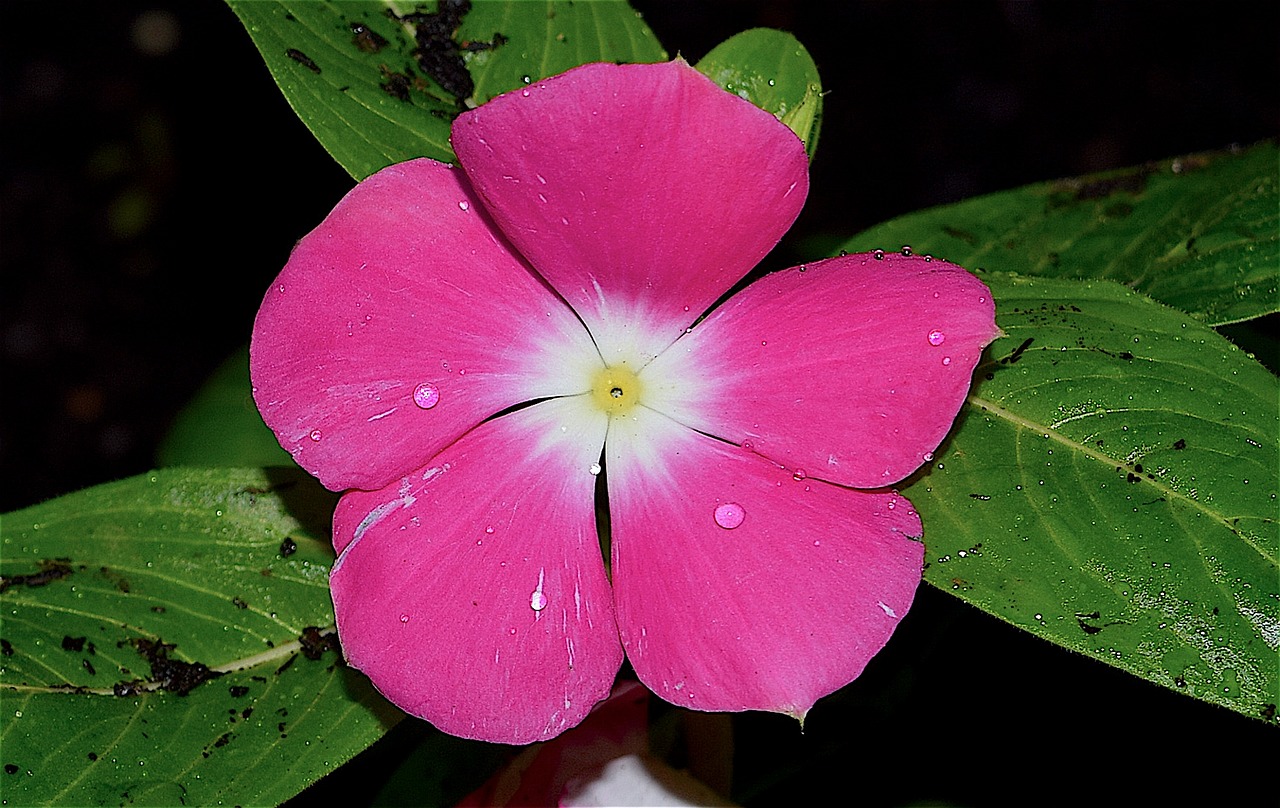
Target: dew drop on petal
[404,618]
[595,469]
[426,396]
[315,435]
[729,515]
[946,360]
[878,255]
[463,205]
[906,249]
[489,529]
[928,456]
[537,601]
[798,475]
[937,338]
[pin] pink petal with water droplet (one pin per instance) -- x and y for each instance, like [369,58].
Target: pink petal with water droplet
[770,615]
[852,370]
[436,610]
[396,289]
[641,192]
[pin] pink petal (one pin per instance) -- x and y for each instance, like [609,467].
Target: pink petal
[739,587]
[641,192]
[850,369]
[399,323]
[472,592]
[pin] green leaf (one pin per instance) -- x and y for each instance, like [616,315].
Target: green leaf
[548,38]
[363,94]
[221,426]
[1200,233]
[1111,487]
[229,568]
[772,70]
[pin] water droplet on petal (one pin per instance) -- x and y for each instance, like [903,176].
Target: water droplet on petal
[878,255]
[537,601]
[524,93]
[315,435]
[426,396]
[946,360]
[729,515]
[489,529]
[595,469]
[928,456]
[906,249]
[404,618]
[799,475]
[463,205]
[937,337]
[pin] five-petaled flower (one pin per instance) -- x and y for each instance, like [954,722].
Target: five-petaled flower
[464,351]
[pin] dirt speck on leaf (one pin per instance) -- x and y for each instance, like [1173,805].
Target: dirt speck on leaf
[51,569]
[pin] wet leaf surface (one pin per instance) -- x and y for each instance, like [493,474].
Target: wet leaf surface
[1199,233]
[1111,486]
[772,70]
[159,637]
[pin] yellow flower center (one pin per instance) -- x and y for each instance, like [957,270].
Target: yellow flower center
[615,389]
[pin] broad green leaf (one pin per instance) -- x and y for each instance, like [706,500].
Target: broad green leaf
[350,73]
[547,38]
[1200,233]
[230,568]
[221,426]
[772,70]
[1111,487]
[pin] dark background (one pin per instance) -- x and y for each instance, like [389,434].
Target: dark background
[153,180]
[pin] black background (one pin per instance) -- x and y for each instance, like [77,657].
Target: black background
[153,180]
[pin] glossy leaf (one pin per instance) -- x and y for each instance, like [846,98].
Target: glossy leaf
[226,568]
[1200,233]
[220,426]
[547,38]
[1111,487]
[349,70]
[772,70]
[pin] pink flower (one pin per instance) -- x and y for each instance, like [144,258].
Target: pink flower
[465,349]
